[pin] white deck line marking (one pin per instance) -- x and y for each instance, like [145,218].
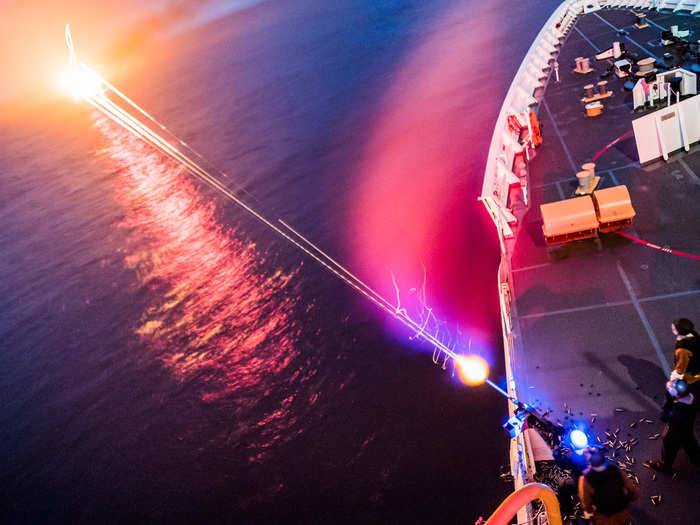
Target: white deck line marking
[655,24]
[645,321]
[563,144]
[587,39]
[604,20]
[668,296]
[561,192]
[573,179]
[604,305]
[576,309]
[640,46]
[613,178]
[694,176]
[525,268]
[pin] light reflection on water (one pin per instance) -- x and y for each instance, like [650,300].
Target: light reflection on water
[216,317]
[209,387]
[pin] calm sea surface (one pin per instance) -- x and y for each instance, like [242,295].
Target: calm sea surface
[166,358]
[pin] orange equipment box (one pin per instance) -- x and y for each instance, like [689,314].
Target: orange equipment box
[569,220]
[613,207]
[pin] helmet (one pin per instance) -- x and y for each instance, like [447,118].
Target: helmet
[595,456]
[683,326]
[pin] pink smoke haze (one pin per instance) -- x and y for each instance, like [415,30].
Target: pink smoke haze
[416,201]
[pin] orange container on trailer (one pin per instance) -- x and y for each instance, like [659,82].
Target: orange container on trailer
[613,207]
[569,220]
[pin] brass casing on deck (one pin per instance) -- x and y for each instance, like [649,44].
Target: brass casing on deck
[569,220]
[614,208]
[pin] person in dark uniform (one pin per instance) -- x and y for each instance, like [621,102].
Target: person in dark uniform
[605,491]
[686,358]
[679,415]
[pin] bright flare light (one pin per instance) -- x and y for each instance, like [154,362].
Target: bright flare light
[472,369]
[85,84]
[81,83]
[579,439]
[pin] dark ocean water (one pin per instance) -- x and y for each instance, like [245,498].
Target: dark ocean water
[166,358]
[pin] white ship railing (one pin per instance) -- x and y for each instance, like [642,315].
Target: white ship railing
[519,99]
[499,177]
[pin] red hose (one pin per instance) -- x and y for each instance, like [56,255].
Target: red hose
[657,247]
[618,139]
[630,237]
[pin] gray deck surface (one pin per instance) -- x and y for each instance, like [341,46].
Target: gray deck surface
[593,326]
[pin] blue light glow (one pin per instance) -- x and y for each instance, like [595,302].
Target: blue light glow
[579,439]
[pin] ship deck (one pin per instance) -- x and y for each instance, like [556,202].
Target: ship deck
[591,319]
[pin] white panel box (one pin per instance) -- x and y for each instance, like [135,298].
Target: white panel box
[668,129]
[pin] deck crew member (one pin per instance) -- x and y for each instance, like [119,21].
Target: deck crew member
[679,415]
[687,355]
[605,492]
